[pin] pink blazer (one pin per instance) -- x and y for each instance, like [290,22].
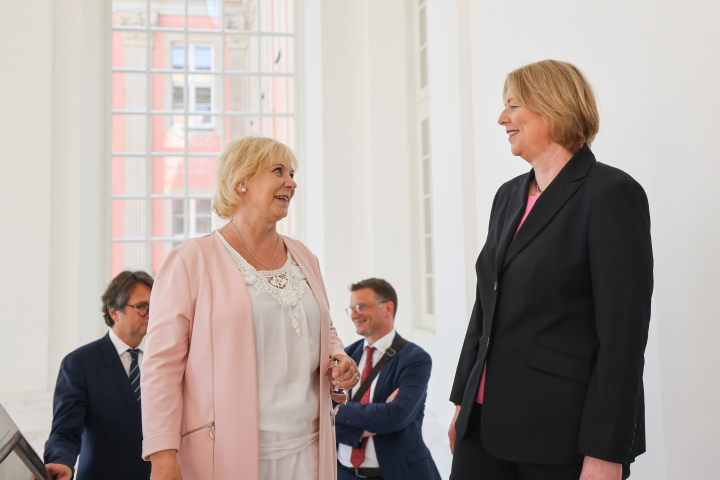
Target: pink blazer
[199,377]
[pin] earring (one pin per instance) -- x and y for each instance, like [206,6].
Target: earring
[243,189]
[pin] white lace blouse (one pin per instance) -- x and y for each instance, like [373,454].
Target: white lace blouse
[286,320]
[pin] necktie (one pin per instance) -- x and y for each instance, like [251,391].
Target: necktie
[135,371]
[358,454]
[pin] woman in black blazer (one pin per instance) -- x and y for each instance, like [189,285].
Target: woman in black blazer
[554,351]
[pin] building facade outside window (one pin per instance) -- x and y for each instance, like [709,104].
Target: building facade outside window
[187,77]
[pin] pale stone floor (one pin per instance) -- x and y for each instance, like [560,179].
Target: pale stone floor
[32,412]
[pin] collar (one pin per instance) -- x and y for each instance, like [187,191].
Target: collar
[383,343]
[121,346]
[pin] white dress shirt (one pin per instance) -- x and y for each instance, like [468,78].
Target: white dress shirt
[122,350]
[345,451]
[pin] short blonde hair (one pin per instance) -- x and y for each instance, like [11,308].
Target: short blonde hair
[239,162]
[559,92]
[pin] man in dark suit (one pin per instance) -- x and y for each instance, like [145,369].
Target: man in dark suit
[380,436]
[96,408]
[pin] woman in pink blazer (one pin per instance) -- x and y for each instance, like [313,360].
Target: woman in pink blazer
[234,378]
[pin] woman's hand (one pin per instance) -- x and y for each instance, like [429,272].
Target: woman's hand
[596,469]
[58,471]
[165,466]
[345,375]
[451,431]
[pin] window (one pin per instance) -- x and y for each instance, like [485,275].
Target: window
[187,77]
[422,134]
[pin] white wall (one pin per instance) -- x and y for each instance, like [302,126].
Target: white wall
[25,192]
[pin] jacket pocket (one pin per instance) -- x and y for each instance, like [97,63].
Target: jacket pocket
[559,363]
[210,426]
[418,455]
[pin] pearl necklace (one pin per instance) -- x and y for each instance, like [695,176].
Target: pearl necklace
[253,255]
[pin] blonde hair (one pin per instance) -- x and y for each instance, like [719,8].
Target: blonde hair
[559,92]
[239,162]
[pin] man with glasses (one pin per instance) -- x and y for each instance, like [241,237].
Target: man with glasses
[380,434]
[96,407]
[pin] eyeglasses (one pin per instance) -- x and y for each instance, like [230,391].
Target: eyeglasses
[142,309]
[360,307]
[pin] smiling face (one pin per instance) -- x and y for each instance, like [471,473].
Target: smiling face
[527,133]
[129,326]
[271,189]
[375,320]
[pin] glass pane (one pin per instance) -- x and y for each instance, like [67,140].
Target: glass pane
[127,256]
[425,133]
[168,133]
[168,91]
[279,128]
[202,57]
[276,54]
[200,217]
[168,218]
[201,175]
[129,50]
[204,54]
[428,215]
[204,137]
[241,53]
[204,14]
[129,91]
[168,50]
[129,176]
[129,218]
[170,13]
[129,13]
[276,95]
[423,68]
[237,127]
[129,133]
[422,27]
[160,250]
[426,176]
[241,93]
[168,176]
[429,296]
[241,16]
[428,255]
[276,15]
[204,92]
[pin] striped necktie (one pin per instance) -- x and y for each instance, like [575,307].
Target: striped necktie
[357,457]
[135,371]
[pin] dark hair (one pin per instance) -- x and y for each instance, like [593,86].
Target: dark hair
[117,293]
[382,289]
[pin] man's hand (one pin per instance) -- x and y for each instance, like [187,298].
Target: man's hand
[165,466]
[366,434]
[392,395]
[596,469]
[58,471]
[451,431]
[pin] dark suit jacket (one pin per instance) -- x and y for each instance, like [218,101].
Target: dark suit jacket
[399,445]
[561,317]
[96,414]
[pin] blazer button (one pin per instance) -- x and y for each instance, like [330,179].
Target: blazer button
[495,286]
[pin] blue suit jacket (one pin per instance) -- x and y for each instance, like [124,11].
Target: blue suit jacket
[96,414]
[399,445]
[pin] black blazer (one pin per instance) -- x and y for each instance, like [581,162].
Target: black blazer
[96,414]
[399,445]
[561,316]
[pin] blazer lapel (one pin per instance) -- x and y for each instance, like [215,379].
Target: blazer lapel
[565,185]
[513,214]
[116,371]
